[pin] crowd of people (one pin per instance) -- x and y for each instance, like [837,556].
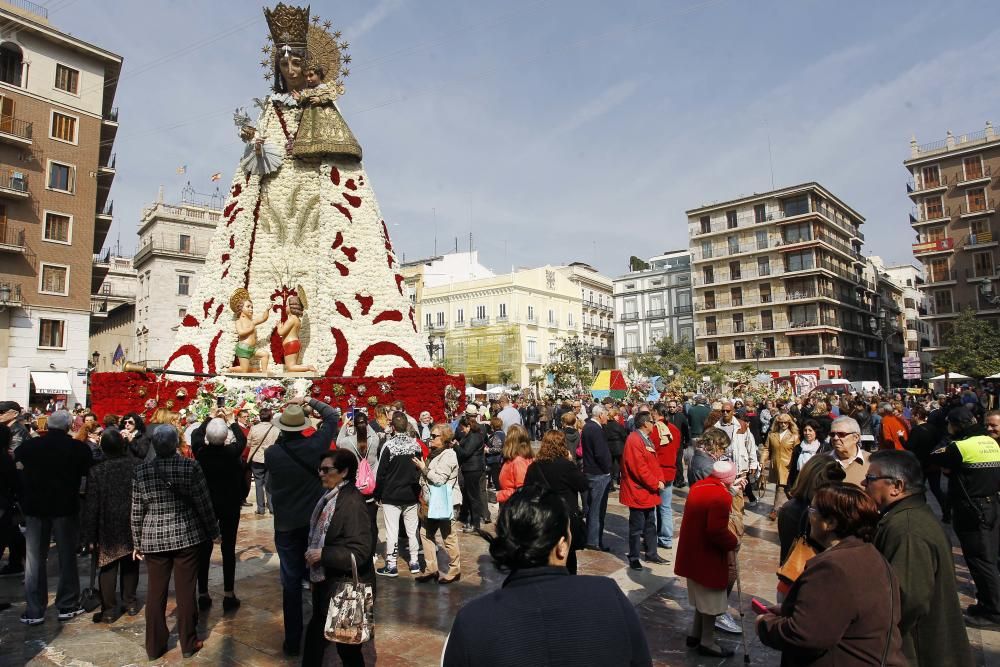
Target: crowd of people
[865,574]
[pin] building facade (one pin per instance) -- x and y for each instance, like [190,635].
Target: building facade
[112,319]
[501,329]
[597,319]
[916,332]
[651,304]
[173,242]
[57,129]
[954,217]
[779,281]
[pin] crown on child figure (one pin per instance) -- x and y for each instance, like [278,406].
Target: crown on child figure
[289,25]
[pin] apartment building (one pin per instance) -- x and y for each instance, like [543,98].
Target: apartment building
[112,305]
[57,130]
[173,243]
[954,217]
[779,281]
[499,328]
[888,321]
[653,303]
[597,320]
[917,332]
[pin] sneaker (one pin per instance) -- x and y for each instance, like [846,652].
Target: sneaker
[32,621]
[727,623]
[415,568]
[387,571]
[65,615]
[982,622]
[634,564]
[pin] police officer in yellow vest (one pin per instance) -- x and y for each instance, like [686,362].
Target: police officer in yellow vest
[974,490]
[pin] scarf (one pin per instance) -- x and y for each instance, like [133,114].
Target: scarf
[319,523]
[808,451]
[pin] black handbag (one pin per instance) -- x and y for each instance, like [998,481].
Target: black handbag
[90,597]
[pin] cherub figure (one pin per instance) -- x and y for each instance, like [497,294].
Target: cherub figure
[289,332]
[246,332]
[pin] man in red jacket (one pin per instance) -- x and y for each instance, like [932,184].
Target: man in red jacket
[668,441]
[640,489]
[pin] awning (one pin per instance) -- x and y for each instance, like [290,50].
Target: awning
[51,382]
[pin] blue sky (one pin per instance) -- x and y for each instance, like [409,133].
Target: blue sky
[556,131]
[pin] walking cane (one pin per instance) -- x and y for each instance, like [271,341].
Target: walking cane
[739,608]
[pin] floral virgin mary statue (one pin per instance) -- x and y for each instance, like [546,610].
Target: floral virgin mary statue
[302,215]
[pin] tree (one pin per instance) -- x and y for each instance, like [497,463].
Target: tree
[664,356]
[571,368]
[972,347]
[505,376]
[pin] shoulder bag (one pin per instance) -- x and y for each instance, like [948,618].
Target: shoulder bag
[248,466]
[439,504]
[350,617]
[90,597]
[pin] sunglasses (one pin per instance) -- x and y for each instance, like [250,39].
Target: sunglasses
[130,423]
[842,434]
[435,435]
[727,411]
[872,478]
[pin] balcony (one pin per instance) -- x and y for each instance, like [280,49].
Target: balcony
[532,359]
[630,317]
[13,184]
[553,323]
[941,277]
[531,319]
[109,167]
[923,248]
[175,249]
[682,310]
[978,176]
[979,240]
[502,319]
[111,116]
[604,352]
[10,294]
[925,186]
[923,216]
[979,274]
[11,239]
[656,313]
[631,350]
[15,131]
[107,211]
[459,324]
[436,326]
[975,209]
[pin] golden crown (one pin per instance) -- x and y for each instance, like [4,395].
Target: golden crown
[288,25]
[237,300]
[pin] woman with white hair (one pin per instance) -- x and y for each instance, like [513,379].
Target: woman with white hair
[171,516]
[223,470]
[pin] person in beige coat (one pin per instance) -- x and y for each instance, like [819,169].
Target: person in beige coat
[781,441]
[440,469]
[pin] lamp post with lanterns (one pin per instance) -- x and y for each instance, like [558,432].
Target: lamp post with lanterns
[883,327]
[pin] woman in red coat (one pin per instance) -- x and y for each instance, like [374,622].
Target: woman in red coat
[702,555]
[640,491]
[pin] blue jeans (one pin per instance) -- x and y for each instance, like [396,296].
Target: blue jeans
[665,516]
[596,508]
[291,546]
[38,534]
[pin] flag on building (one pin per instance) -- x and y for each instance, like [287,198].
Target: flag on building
[119,356]
[217,175]
[182,169]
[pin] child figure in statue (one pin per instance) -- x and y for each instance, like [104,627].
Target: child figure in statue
[289,332]
[246,333]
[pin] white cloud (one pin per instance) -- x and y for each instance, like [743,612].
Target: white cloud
[377,14]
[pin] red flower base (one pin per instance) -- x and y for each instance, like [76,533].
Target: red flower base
[419,388]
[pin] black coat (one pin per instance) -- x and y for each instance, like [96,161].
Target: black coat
[544,616]
[560,475]
[52,468]
[226,482]
[615,434]
[470,452]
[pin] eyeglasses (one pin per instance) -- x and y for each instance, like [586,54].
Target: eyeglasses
[435,435]
[130,423]
[325,469]
[727,411]
[842,434]
[871,478]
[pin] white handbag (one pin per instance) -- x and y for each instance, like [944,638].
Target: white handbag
[351,615]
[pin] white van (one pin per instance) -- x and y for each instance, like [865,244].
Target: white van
[866,386]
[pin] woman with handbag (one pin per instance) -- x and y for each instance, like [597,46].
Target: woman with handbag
[107,509]
[780,442]
[845,608]
[339,557]
[553,468]
[439,496]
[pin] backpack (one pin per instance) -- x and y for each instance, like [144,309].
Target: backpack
[496,444]
[365,479]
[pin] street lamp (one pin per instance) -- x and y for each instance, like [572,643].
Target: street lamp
[884,328]
[433,347]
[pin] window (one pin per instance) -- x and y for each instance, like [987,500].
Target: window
[976,198]
[736,295]
[797,233]
[184,243]
[982,263]
[761,239]
[61,176]
[532,348]
[768,347]
[460,317]
[759,213]
[972,167]
[706,249]
[738,325]
[685,333]
[979,231]
[440,318]
[933,208]
[51,333]
[63,127]
[766,320]
[480,312]
[552,316]
[763,266]
[710,300]
[733,244]
[740,348]
[569,320]
[765,293]
[708,274]
[706,224]
[502,311]
[730,219]
[427,320]
[683,299]
[795,206]
[937,270]
[710,326]
[734,271]
[930,176]
[67,79]
[57,227]
[11,64]
[54,279]
[183,284]
[531,313]
[713,351]
[798,261]
[552,348]
[181,312]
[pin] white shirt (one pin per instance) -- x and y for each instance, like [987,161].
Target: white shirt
[509,416]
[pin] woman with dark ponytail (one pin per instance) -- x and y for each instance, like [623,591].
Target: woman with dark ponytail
[540,610]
